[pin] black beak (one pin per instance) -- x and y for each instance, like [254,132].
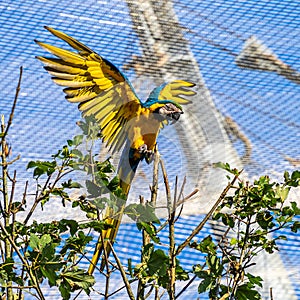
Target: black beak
[176,115]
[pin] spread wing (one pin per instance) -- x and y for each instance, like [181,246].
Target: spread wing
[96,84]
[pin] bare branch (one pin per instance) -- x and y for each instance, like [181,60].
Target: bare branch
[203,222]
[123,274]
[154,187]
[187,197]
[11,116]
[186,286]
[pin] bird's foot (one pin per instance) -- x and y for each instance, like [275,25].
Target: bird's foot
[142,149]
[148,154]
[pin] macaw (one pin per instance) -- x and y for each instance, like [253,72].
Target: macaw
[102,90]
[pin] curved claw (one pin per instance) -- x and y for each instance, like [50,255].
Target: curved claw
[147,154]
[142,149]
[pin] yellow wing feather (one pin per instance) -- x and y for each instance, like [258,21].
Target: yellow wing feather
[175,89]
[96,84]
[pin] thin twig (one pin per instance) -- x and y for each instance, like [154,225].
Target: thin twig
[161,227]
[181,189]
[78,294]
[11,116]
[149,292]
[175,192]
[187,197]
[119,289]
[186,286]
[177,200]
[171,218]
[181,202]
[203,222]
[179,214]
[105,264]
[11,162]
[167,186]
[154,187]
[25,193]
[12,193]
[6,215]
[145,241]
[39,197]
[10,211]
[237,277]
[123,274]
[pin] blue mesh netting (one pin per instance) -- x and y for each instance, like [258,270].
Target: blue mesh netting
[265,105]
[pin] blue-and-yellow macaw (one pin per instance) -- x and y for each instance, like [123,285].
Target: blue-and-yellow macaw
[102,90]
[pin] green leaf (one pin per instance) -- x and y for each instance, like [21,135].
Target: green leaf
[197,268]
[293,180]
[265,220]
[225,166]
[287,211]
[228,220]
[114,184]
[181,274]
[42,167]
[65,291]
[50,274]
[148,248]
[281,237]
[255,280]
[77,140]
[96,225]
[205,284]
[282,192]
[150,229]
[39,243]
[158,262]
[214,264]
[71,224]
[142,213]
[17,206]
[233,241]
[286,176]
[76,153]
[31,164]
[93,189]
[295,208]
[295,226]
[71,184]
[202,274]
[44,240]
[205,246]
[76,279]
[33,241]
[245,293]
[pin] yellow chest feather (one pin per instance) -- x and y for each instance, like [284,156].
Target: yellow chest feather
[145,128]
